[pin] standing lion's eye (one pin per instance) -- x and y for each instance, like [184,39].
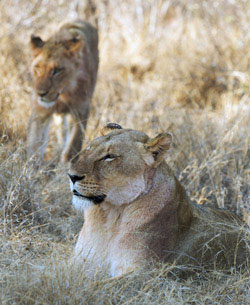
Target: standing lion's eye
[56,71]
[37,69]
[108,158]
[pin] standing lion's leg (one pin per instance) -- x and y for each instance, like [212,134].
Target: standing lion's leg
[75,136]
[64,130]
[37,139]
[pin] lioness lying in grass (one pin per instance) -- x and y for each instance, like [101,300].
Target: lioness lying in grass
[137,212]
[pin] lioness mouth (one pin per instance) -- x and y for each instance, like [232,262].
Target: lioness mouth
[95,199]
[48,101]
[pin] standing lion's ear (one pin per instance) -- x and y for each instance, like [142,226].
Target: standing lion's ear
[73,45]
[157,148]
[36,44]
[109,127]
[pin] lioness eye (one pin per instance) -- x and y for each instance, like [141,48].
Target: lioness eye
[37,69]
[56,71]
[108,158]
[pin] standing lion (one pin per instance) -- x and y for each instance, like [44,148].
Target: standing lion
[64,71]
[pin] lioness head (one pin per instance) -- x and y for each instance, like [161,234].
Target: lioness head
[55,62]
[115,167]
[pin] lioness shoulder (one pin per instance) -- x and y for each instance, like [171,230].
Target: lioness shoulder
[64,69]
[137,213]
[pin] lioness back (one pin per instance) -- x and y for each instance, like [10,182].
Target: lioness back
[137,213]
[64,69]
[90,34]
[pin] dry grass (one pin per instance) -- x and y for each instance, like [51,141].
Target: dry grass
[178,65]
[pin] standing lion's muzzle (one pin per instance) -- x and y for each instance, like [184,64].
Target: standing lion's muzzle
[48,99]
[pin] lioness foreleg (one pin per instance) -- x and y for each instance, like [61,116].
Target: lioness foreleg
[74,137]
[38,134]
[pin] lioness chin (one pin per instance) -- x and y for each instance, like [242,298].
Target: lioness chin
[64,71]
[137,212]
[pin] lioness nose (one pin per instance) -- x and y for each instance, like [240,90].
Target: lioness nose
[75,178]
[42,93]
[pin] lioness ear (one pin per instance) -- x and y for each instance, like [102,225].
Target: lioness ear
[158,147]
[109,127]
[73,45]
[36,44]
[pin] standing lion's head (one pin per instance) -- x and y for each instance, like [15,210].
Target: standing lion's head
[55,63]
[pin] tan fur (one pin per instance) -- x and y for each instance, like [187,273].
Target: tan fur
[64,72]
[146,216]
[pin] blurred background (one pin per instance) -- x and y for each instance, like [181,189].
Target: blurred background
[192,54]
